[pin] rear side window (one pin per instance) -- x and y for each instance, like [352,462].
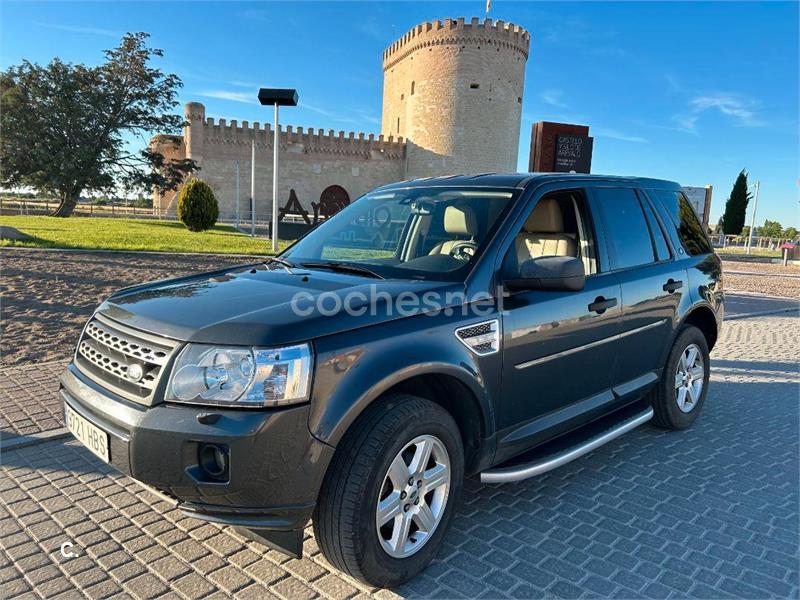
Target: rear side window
[686,223]
[659,240]
[627,235]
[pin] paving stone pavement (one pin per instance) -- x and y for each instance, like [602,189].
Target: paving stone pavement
[711,512]
[29,399]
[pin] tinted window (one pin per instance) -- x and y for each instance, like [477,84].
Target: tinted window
[687,224]
[627,236]
[659,240]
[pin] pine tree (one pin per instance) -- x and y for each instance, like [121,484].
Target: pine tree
[736,206]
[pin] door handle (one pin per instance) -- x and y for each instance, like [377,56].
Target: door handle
[672,285]
[600,304]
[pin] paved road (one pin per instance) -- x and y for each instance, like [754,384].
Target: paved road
[709,512]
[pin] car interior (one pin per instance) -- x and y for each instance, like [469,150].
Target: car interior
[557,226]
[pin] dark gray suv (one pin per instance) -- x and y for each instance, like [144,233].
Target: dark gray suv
[494,326]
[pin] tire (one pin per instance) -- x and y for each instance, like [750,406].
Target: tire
[346,515]
[670,411]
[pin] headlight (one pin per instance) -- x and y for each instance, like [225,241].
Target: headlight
[238,376]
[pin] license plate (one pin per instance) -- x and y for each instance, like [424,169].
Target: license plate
[91,436]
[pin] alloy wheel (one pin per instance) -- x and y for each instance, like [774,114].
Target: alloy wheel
[689,378]
[413,496]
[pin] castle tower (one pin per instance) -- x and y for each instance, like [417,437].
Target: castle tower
[193,133]
[453,90]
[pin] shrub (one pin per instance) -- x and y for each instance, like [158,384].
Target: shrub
[197,206]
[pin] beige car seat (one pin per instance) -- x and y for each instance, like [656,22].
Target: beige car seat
[459,222]
[543,234]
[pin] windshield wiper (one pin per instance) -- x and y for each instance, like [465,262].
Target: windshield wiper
[343,267]
[281,261]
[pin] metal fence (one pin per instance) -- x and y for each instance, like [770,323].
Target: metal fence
[740,241]
[22,206]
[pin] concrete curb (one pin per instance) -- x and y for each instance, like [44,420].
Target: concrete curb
[762,313]
[755,274]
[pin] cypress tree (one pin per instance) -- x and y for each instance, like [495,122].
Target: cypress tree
[736,206]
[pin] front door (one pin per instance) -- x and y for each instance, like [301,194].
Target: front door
[559,347]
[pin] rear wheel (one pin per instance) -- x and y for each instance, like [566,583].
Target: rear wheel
[680,394]
[390,492]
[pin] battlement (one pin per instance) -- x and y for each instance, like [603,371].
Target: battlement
[458,31]
[306,139]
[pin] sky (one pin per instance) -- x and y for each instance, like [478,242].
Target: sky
[688,91]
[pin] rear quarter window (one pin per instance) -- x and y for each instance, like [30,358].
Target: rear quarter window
[687,225]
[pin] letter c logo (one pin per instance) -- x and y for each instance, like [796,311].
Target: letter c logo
[65,550]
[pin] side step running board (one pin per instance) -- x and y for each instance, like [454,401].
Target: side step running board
[520,472]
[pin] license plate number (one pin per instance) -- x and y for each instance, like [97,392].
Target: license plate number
[91,436]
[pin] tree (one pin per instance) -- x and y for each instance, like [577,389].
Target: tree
[771,229]
[67,127]
[790,233]
[197,206]
[736,206]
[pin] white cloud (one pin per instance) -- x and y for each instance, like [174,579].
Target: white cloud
[80,29]
[243,97]
[727,105]
[553,98]
[741,110]
[616,135]
[244,84]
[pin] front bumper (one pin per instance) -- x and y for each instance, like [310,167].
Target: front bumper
[276,465]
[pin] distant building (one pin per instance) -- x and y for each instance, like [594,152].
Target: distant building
[452,103]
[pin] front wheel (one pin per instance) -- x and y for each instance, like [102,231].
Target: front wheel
[390,492]
[680,394]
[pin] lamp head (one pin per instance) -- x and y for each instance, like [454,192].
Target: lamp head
[279,96]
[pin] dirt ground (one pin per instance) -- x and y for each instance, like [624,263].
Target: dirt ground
[768,278]
[48,295]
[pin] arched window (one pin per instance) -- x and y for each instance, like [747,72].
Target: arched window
[332,199]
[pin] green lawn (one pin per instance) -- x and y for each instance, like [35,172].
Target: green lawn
[130,234]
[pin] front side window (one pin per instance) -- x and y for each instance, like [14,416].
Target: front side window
[558,225]
[626,232]
[690,232]
[419,233]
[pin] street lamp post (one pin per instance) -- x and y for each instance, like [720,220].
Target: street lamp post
[753,221]
[276,97]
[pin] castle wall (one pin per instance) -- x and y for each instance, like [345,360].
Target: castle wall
[452,103]
[309,162]
[454,91]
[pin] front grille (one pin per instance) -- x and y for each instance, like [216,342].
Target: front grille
[126,361]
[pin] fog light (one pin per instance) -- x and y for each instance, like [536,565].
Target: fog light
[214,461]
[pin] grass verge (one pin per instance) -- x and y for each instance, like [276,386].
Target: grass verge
[129,234]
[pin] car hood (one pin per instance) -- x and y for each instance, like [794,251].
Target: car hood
[256,305]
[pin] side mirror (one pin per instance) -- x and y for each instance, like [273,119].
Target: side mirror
[560,273]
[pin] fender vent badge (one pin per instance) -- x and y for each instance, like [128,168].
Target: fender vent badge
[482,338]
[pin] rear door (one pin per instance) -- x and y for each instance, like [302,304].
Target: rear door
[652,285]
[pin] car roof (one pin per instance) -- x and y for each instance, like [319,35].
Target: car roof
[524,180]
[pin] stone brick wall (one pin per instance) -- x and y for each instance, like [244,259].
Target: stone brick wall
[454,90]
[309,162]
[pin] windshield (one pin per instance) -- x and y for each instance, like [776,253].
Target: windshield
[419,233]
